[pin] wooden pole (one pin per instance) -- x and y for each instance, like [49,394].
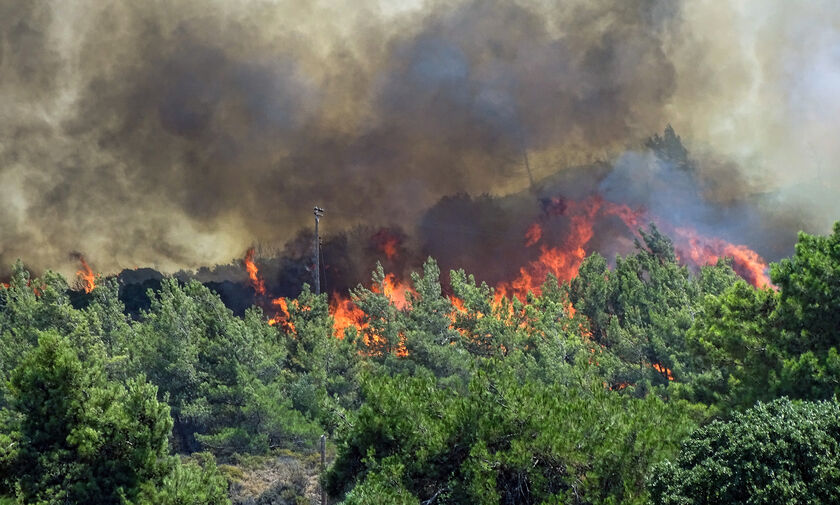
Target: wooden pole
[317,274]
[323,468]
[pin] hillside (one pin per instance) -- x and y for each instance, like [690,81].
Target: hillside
[596,390]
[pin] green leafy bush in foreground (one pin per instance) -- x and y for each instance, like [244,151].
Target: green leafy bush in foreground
[775,453]
[73,436]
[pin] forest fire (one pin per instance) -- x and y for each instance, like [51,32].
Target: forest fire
[563,261]
[282,317]
[345,315]
[563,233]
[528,287]
[706,251]
[253,272]
[533,235]
[387,242]
[396,291]
[87,279]
[663,370]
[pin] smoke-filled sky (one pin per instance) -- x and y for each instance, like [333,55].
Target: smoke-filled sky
[174,134]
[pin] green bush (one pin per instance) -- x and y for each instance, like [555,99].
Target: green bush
[780,452]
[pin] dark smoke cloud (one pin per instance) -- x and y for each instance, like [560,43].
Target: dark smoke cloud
[174,134]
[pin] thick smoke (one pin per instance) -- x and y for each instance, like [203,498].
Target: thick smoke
[173,134]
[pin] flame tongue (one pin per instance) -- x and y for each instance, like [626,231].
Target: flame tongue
[563,261]
[702,250]
[663,370]
[345,314]
[396,291]
[533,235]
[389,247]
[282,318]
[253,273]
[387,242]
[86,276]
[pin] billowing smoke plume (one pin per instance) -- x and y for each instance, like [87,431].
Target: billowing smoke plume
[174,134]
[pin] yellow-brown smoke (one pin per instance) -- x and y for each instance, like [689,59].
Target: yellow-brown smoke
[170,134]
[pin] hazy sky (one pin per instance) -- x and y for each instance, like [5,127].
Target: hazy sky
[175,134]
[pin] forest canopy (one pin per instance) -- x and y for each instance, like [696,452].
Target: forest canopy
[639,381]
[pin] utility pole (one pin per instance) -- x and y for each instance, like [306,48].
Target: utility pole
[319,212]
[524,146]
[323,468]
[528,168]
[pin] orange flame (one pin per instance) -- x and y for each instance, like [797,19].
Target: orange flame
[401,351]
[706,251]
[632,218]
[86,276]
[387,242]
[390,248]
[533,235]
[253,272]
[396,291]
[458,307]
[345,314]
[663,370]
[563,262]
[458,304]
[282,317]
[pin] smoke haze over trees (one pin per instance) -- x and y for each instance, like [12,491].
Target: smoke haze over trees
[172,135]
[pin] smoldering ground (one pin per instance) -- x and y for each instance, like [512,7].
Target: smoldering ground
[174,134]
